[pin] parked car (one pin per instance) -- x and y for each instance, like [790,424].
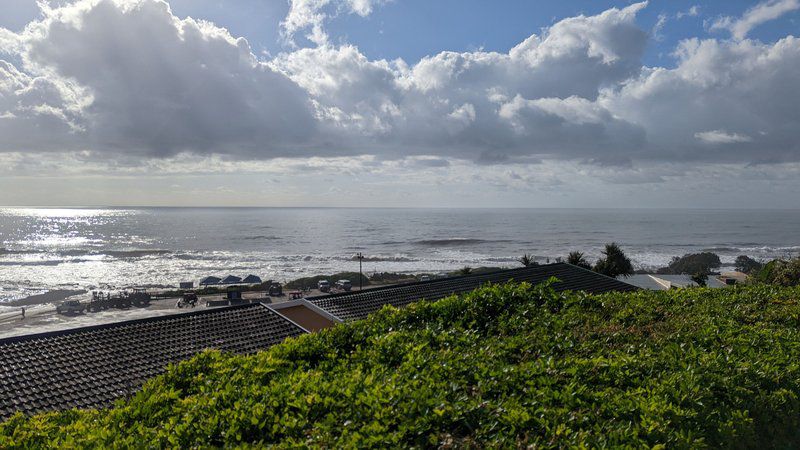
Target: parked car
[188,300]
[275,289]
[425,278]
[70,307]
[324,286]
[345,285]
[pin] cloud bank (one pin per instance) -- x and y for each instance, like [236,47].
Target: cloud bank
[129,79]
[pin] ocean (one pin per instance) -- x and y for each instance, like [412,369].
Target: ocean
[44,250]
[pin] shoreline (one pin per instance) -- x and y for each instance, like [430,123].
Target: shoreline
[41,316]
[57,295]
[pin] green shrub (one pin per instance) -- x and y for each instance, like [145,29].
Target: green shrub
[694,263]
[504,366]
[311,282]
[779,272]
[746,264]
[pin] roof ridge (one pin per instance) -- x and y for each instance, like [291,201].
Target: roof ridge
[434,281]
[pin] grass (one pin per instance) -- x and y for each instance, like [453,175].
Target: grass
[504,366]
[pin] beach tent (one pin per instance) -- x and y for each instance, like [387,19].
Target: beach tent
[231,279]
[252,279]
[209,280]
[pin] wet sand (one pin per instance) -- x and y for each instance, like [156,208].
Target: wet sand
[56,295]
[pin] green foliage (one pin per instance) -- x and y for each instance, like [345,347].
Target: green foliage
[701,278]
[466,270]
[746,264]
[779,272]
[526,260]
[478,270]
[504,366]
[614,262]
[393,277]
[693,263]
[577,258]
[311,282]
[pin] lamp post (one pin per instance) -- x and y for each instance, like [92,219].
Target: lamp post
[360,257]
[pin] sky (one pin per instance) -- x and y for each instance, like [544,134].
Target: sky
[444,103]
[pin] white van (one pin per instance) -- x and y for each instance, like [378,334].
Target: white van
[344,285]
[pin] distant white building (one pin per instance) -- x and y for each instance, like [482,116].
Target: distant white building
[664,282]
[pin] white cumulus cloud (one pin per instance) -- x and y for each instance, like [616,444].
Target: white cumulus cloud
[127,78]
[755,16]
[310,15]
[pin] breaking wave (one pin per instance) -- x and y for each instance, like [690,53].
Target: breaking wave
[133,253]
[5,251]
[378,258]
[455,242]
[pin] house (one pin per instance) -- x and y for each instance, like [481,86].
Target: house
[662,282]
[356,305]
[90,367]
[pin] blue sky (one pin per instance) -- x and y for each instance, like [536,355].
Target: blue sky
[412,29]
[584,103]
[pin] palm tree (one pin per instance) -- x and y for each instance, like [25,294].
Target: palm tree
[526,260]
[577,258]
[615,263]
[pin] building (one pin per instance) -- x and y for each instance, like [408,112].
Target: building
[661,282]
[306,314]
[359,304]
[90,367]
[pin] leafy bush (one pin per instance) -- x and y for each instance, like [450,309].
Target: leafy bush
[505,366]
[577,258]
[701,278]
[746,264]
[527,260]
[311,282]
[779,272]
[394,277]
[693,263]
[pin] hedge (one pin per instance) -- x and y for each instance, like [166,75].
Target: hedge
[504,366]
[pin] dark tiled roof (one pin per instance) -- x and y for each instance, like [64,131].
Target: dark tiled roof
[92,366]
[357,305]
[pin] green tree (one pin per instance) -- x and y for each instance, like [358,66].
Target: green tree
[577,258]
[526,260]
[780,272]
[466,270]
[614,262]
[746,264]
[693,263]
[701,278]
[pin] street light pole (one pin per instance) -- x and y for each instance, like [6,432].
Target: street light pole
[360,276]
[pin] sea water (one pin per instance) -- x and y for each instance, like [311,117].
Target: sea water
[117,248]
